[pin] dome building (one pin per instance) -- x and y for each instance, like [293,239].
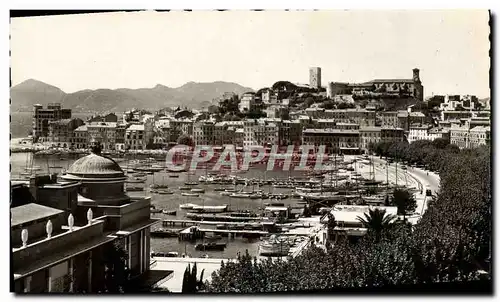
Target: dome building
[102,189]
[102,180]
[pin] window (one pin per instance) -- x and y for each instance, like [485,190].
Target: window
[59,277]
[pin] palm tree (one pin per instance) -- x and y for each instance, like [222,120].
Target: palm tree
[376,221]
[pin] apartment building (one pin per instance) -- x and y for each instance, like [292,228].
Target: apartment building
[225,132]
[389,134]
[479,135]
[426,132]
[135,137]
[368,136]
[61,132]
[290,132]
[180,127]
[102,132]
[80,137]
[451,102]
[42,117]
[459,136]
[335,140]
[455,115]
[204,133]
[247,102]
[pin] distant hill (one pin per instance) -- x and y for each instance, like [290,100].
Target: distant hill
[193,95]
[30,92]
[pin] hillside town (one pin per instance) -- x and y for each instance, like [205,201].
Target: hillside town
[348,116]
[106,230]
[353,164]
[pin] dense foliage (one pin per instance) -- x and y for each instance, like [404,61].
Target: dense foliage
[116,273]
[450,243]
[404,200]
[190,283]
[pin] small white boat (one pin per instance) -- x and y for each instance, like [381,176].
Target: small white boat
[184,188]
[164,192]
[34,168]
[190,194]
[210,209]
[198,190]
[187,206]
[240,195]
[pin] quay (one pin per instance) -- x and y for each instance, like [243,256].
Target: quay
[185,223]
[222,217]
[193,233]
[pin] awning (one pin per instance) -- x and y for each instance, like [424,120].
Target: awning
[150,279]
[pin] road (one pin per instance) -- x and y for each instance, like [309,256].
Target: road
[412,177]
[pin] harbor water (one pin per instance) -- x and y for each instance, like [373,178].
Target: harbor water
[56,164]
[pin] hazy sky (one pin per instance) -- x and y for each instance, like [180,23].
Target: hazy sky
[254,49]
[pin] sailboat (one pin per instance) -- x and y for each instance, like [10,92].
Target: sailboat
[189,182]
[158,186]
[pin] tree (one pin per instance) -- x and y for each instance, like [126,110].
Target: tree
[377,222]
[116,274]
[190,283]
[185,140]
[332,224]
[345,106]
[404,200]
[440,143]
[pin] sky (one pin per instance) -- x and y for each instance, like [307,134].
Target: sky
[253,49]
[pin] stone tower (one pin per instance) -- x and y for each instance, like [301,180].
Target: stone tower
[416,75]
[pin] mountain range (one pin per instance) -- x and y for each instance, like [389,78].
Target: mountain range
[193,95]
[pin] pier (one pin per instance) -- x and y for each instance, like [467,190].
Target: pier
[185,223]
[193,233]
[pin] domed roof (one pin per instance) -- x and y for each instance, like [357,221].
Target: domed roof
[96,165]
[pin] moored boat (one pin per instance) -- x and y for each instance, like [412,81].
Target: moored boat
[212,246]
[135,189]
[198,190]
[161,233]
[239,195]
[274,246]
[190,194]
[164,192]
[187,206]
[173,213]
[209,209]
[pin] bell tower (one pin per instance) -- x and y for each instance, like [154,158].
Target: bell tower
[416,75]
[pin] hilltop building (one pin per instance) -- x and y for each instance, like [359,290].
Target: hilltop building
[315,77]
[379,87]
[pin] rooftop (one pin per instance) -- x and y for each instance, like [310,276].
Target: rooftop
[329,130]
[347,213]
[480,129]
[93,164]
[136,127]
[391,81]
[420,126]
[101,125]
[31,212]
[81,128]
[417,114]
